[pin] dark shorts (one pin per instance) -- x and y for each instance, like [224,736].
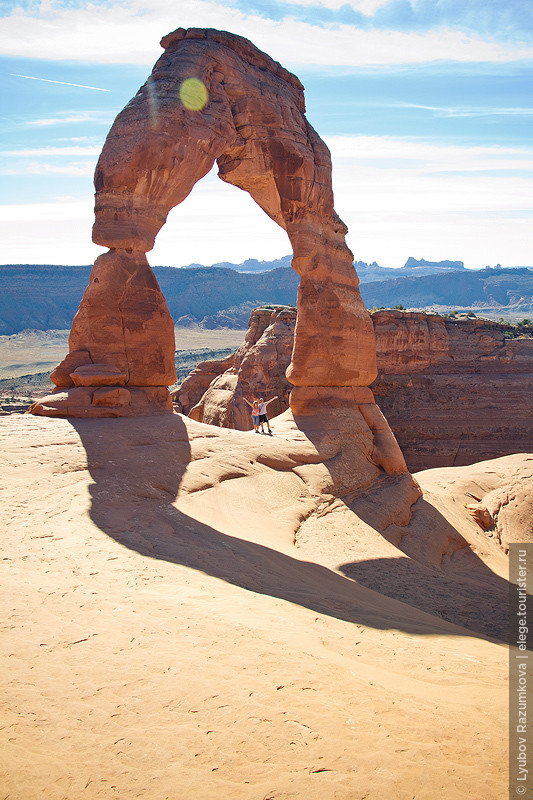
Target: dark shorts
[263,418]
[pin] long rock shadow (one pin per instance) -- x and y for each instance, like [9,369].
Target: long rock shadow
[468,604]
[442,575]
[137,466]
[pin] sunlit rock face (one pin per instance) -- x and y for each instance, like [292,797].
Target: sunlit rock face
[253,124]
[215,391]
[213,96]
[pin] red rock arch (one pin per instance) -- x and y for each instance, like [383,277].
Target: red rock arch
[253,124]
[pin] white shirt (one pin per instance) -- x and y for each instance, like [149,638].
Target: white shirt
[262,408]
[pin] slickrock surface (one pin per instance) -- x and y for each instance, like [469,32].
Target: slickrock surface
[454,391]
[192,611]
[213,96]
[498,494]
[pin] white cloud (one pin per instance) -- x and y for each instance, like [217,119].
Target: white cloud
[65,161]
[83,117]
[75,170]
[130,32]
[459,111]
[381,151]
[58,232]
[64,209]
[366,7]
[402,198]
[218,222]
[62,152]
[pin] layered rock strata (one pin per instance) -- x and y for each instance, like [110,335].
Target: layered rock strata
[454,391]
[213,96]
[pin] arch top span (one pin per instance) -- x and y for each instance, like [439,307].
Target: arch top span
[213,96]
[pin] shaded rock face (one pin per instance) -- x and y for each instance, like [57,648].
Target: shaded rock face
[454,391]
[213,96]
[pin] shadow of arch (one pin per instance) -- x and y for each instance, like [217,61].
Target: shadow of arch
[479,607]
[442,575]
[137,467]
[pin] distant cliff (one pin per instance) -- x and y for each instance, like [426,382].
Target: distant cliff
[489,288]
[443,266]
[454,390]
[47,297]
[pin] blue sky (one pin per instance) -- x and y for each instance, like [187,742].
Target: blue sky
[425,105]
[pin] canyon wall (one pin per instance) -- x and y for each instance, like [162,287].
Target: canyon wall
[454,390]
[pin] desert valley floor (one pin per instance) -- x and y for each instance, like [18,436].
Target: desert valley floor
[182,618]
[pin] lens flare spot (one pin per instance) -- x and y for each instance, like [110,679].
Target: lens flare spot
[193,94]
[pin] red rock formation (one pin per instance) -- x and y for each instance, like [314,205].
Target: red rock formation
[214,392]
[454,391]
[122,336]
[213,96]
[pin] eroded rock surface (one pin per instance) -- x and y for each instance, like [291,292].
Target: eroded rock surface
[122,336]
[214,392]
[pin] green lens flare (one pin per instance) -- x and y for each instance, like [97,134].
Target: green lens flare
[193,94]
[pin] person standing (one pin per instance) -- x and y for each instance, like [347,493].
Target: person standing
[263,416]
[255,412]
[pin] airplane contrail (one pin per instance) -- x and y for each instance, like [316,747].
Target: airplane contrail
[63,83]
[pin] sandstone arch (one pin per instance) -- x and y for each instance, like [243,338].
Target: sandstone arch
[254,126]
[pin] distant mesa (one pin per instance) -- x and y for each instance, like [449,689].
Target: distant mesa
[46,297]
[445,266]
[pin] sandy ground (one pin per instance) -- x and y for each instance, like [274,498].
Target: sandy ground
[40,351]
[182,617]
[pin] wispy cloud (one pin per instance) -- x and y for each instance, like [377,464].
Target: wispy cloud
[68,208]
[404,197]
[399,197]
[367,7]
[74,170]
[389,153]
[100,118]
[503,21]
[34,161]
[455,111]
[63,83]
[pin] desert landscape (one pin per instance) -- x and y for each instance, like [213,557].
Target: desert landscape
[190,611]
[194,609]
